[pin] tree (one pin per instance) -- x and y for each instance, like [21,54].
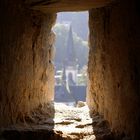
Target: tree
[76,18]
[80,46]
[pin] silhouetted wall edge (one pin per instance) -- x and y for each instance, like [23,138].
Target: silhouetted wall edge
[114,66]
[26,70]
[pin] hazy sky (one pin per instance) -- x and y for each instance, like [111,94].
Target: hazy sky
[78,20]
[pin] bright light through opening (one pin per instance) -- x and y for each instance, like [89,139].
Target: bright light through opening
[71,57]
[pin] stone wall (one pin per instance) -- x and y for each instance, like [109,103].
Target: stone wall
[26,68]
[114,65]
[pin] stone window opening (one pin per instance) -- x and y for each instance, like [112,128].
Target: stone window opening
[27,74]
[71,57]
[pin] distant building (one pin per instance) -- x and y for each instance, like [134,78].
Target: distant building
[68,90]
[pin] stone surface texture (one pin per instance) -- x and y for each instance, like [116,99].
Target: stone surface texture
[26,60]
[26,69]
[69,123]
[114,65]
[65,5]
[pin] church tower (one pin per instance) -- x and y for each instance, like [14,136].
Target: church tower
[70,64]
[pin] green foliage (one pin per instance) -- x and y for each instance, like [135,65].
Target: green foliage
[60,44]
[79,21]
[82,77]
[81,46]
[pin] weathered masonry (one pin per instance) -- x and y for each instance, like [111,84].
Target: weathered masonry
[27,74]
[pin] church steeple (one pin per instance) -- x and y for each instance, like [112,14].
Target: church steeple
[70,66]
[70,51]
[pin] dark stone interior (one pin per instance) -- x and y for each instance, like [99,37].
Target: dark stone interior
[27,74]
